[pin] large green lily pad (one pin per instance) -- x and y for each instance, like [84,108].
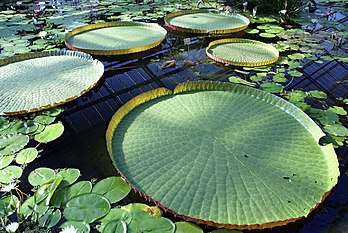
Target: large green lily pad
[224,154]
[115,38]
[37,81]
[205,22]
[242,52]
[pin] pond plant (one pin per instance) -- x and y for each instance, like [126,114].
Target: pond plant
[59,199]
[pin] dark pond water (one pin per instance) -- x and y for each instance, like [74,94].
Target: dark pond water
[83,144]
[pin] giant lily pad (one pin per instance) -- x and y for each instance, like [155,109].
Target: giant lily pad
[37,81]
[205,22]
[115,38]
[242,52]
[224,154]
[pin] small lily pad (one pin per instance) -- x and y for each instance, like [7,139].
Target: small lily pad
[114,188]
[267,35]
[13,144]
[9,174]
[6,160]
[115,227]
[271,87]
[26,155]
[40,175]
[69,175]
[186,227]
[50,133]
[44,120]
[87,208]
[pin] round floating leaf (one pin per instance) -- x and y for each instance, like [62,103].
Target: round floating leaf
[5,160]
[272,87]
[115,38]
[53,112]
[50,133]
[26,155]
[267,35]
[50,218]
[8,205]
[113,188]
[40,176]
[87,208]
[186,227]
[143,222]
[26,88]
[115,214]
[45,191]
[80,226]
[205,22]
[251,31]
[9,174]
[295,73]
[28,127]
[65,194]
[32,209]
[115,227]
[12,144]
[44,120]
[69,175]
[242,52]
[223,153]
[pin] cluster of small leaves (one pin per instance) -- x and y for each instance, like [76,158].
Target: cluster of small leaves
[59,200]
[275,79]
[16,133]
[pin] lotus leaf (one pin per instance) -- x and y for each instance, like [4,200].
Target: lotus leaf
[40,176]
[26,155]
[115,38]
[9,174]
[50,218]
[186,227]
[87,208]
[222,153]
[26,87]
[115,227]
[242,52]
[5,160]
[80,226]
[205,22]
[12,144]
[113,188]
[50,133]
